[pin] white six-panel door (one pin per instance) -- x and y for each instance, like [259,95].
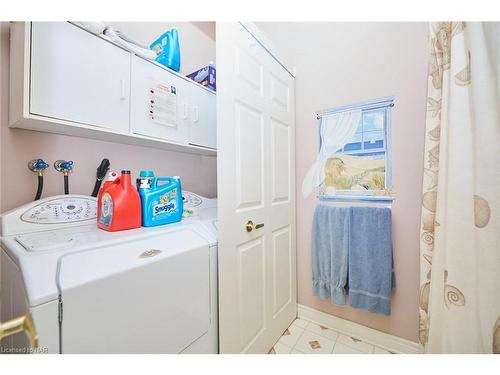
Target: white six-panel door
[256,178]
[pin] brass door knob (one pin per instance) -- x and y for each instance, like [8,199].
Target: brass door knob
[20,324]
[250,226]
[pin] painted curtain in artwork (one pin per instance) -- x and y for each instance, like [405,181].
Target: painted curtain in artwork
[460,232]
[336,130]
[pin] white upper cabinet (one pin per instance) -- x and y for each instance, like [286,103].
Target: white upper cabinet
[66,80]
[203,118]
[78,77]
[159,102]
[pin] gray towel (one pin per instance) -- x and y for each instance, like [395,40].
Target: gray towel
[370,259]
[330,236]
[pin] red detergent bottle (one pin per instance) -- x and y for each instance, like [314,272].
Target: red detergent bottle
[119,204]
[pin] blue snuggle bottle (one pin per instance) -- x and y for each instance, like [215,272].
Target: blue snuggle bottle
[161,204]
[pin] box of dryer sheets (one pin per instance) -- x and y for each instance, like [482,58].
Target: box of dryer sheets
[205,76]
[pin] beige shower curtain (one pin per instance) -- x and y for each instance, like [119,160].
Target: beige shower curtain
[460,232]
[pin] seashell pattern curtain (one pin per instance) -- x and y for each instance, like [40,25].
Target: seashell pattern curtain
[460,228]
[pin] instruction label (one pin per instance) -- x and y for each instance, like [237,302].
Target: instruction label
[162,104]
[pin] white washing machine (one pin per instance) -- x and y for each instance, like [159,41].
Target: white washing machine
[146,290]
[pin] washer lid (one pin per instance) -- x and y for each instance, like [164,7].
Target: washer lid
[39,264]
[158,289]
[56,240]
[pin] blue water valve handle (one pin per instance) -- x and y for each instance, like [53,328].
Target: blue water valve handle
[64,166]
[38,166]
[68,165]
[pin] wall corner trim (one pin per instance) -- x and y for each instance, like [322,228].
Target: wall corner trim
[372,336]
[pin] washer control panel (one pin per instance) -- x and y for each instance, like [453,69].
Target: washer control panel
[191,199]
[61,210]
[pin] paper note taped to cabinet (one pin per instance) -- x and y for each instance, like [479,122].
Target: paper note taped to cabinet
[162,105]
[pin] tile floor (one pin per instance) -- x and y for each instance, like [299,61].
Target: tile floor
[304,337]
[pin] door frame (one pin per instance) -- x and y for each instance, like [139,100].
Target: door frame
[268,46]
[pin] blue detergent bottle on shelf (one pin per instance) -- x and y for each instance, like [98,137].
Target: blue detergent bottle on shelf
[161,204]
[168,50]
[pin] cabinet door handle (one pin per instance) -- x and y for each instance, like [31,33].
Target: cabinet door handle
[196,114]
[123,90]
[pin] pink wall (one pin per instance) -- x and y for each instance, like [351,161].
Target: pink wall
[342,63]
[18,184]
[337,63]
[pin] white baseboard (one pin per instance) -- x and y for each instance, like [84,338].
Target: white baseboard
[372,336]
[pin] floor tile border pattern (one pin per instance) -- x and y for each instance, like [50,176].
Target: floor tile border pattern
[306,337]
[369,335]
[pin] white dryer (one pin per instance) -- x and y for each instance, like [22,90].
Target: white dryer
[205,218]
[204,212]
[147,290]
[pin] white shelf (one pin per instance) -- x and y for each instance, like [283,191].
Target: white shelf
[56,126]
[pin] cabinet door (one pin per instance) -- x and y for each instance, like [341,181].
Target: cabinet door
[158,102]
[77,76]
[203,123]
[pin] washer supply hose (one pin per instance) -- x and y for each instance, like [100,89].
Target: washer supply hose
[38,166]
[40,187]
[65,167]
[66,184]
[102,170]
